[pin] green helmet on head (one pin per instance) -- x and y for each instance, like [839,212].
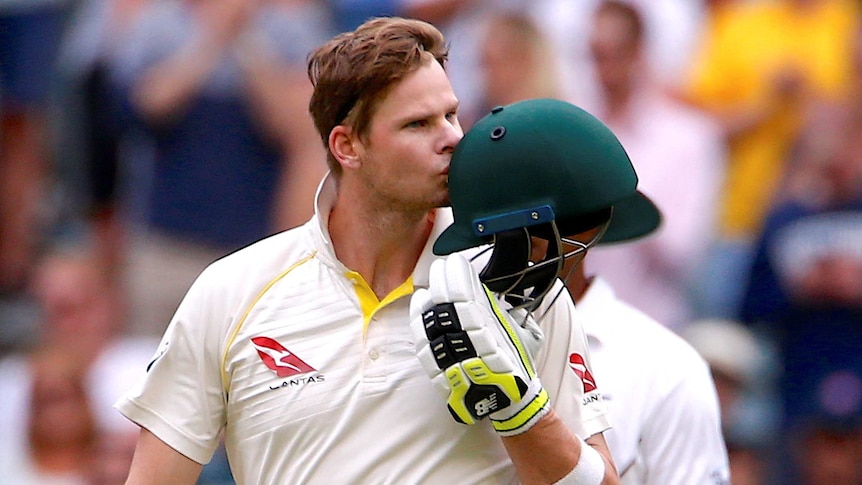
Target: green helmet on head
[535,154]
[537,164]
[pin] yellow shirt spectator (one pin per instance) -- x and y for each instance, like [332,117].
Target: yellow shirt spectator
[759,64]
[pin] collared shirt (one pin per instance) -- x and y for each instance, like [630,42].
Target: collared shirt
[659,393]
[313,380]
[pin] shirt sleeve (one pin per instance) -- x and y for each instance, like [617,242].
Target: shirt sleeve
[686,429]
[565,367]
[181,399]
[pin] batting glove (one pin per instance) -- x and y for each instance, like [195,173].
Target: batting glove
[476,352]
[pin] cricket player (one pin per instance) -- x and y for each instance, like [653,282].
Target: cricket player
[579,189]
[314,353]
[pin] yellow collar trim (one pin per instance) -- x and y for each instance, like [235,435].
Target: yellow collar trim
[368,300]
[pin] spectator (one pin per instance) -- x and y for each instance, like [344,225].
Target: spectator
[516,63]
[114,453]
[678,153]
[88,143]
[80,330]
[219,89]
[804,285]
[463,22]
[55,441]
[349,14]
[758,87]
[30,34]
[827,445]
[741,365]
[671,33]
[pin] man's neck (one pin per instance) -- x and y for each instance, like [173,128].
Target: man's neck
[383,247]
[577,283]
[578,286]
[617,103]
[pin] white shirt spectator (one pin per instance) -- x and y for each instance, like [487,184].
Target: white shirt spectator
[678,154]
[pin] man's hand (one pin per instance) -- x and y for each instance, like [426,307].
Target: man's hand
[475,351]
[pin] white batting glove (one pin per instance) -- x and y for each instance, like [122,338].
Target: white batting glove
[476,352]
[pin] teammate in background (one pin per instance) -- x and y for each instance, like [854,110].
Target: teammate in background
[661,397]
[300,349]
[540,156]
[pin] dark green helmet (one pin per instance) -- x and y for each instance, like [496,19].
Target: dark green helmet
[540,160]
[540,168]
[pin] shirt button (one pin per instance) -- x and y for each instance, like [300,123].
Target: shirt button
[373,354]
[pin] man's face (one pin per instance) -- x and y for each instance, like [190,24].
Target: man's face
[614,51]
[503,60]
[406,155]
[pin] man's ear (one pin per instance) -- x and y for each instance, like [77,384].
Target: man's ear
[345,146]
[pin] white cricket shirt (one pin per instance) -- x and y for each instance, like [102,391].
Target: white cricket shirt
[659,393]
[313,380]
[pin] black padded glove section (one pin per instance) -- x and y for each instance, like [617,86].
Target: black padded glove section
[449,342]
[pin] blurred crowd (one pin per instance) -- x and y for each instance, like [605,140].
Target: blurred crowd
[142,139]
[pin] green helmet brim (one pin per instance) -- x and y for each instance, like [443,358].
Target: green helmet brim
[457,238]
[634,217]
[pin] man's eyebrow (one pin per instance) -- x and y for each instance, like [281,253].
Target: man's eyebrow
[421,113]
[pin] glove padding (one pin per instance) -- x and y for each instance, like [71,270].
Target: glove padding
[475,352]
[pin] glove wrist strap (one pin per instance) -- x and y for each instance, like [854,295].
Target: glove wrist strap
[519,418]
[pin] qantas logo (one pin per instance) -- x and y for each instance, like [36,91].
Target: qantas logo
[282,361]
[576,362]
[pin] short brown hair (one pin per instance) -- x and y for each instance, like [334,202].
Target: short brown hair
[353,71]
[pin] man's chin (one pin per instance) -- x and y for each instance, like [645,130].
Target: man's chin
[444,202]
